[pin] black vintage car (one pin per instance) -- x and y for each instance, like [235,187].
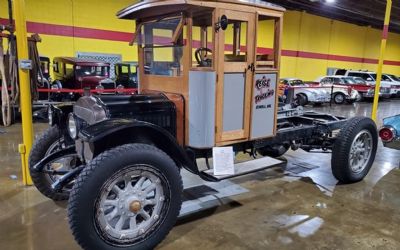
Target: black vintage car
[126,75]
[118,158]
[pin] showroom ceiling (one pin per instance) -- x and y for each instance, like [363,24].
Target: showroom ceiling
[362,12]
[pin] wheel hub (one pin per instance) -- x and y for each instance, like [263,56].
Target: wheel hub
[360,151]
[130,204]
[135,206]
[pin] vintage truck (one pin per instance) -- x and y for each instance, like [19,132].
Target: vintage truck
[118,158]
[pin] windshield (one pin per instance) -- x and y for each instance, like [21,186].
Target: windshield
[296,83]
[162,44]
[125,69]
[159,33]
[359,80]
[84,71]
[395,78]
[349,80]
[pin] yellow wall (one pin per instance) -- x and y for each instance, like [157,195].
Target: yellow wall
[302,32]
[310,33]
[79,13]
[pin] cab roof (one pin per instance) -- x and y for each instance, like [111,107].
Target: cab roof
[134,11]
[81,61]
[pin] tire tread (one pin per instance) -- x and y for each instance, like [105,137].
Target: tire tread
[89,170]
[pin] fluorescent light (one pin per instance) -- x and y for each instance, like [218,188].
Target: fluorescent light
[330,1]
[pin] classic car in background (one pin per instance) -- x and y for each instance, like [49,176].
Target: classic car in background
[303,93]
[76,74]
[367,90]
[370,77]
[393,79]
[390,132]
[126,75]
[340,88]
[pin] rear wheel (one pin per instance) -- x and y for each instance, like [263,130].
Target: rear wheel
[339,98]
[126,198]
[354,150]
[49,142]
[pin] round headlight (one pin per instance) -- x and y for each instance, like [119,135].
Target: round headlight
[50,116]
[120,89]
[99,89]
[72,128]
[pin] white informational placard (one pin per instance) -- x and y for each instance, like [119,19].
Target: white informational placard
[223,161]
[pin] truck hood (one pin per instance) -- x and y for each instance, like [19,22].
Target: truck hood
[93,109]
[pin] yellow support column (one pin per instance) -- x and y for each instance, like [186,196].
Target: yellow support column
[381,58]
[25,90]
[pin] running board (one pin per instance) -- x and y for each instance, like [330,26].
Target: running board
[247,167]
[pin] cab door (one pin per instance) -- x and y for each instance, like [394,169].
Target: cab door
[235,76]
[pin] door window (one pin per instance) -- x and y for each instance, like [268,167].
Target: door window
[236,41]
[266,42]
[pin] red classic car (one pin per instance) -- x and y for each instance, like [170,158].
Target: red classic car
[72,74]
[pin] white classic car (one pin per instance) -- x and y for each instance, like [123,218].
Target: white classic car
[340,88]
[395,84]
[304,93]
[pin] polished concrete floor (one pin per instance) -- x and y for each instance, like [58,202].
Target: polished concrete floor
[283,208]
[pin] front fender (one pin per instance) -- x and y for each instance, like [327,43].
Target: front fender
[111,133]
[60,114]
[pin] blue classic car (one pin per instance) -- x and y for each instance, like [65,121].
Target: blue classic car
[390,132]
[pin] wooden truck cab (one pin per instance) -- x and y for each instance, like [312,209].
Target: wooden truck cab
[230,90]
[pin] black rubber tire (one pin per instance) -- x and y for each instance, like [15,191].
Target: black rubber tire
[81,207]
[274,151]
[343,98]
[341,149]
[38,152]
[302,99]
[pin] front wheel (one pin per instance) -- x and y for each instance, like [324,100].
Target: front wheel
[354,150]
[302,99]
[126,198]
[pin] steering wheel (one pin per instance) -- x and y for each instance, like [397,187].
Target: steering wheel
[203,61]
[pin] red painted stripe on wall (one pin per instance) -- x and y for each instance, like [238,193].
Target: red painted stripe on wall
[81,32]
[73,31]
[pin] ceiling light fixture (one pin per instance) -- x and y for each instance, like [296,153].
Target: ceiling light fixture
[330,1]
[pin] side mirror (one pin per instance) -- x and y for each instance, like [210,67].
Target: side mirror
[222,23]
